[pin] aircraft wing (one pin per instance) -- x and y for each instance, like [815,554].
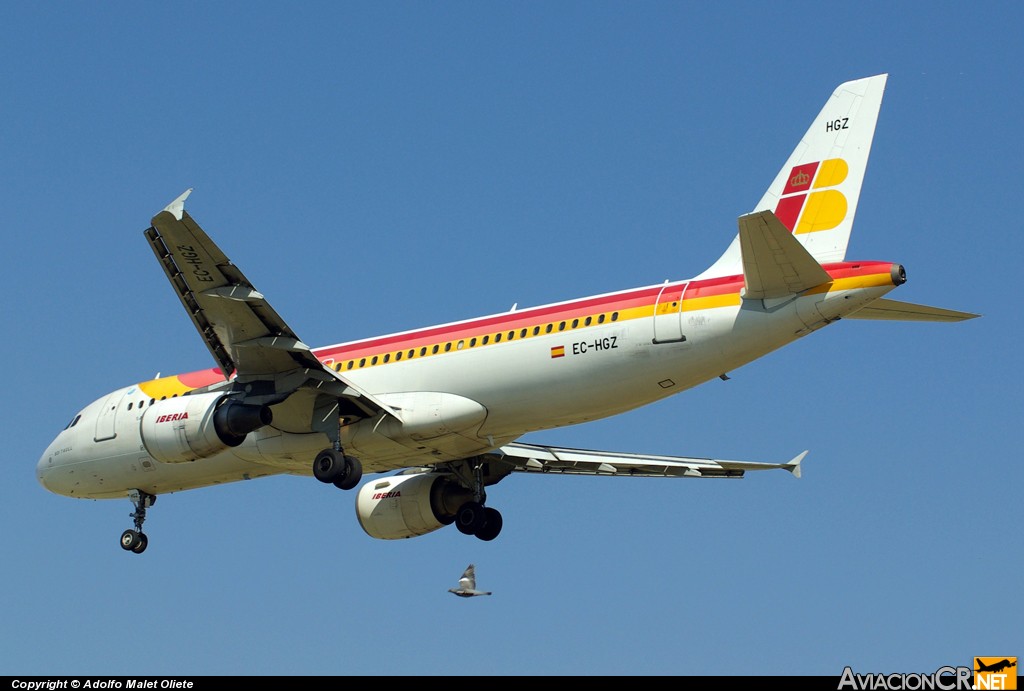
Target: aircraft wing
[552,459]
[246,337]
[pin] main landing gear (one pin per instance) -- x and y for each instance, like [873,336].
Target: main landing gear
[473,518]
[334,467]
[135,540]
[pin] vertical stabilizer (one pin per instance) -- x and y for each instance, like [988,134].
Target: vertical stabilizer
[815,193]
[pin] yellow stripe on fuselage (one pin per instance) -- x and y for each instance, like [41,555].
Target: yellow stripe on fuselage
[164,387]
[168,387]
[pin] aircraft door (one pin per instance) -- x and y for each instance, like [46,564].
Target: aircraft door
[668,314]
[105,421]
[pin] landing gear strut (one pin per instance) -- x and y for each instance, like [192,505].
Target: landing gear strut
[135,540]
[473,518]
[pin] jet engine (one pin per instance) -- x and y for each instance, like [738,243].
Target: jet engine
[187,428]
[404,506]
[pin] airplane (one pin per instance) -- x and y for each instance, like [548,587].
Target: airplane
[995,667]
[434,417]
[467,584]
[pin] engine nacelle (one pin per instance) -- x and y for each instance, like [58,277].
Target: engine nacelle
[188,428]
[402,506]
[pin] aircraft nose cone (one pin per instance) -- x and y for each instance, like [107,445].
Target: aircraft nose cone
[43,468]
[41,471]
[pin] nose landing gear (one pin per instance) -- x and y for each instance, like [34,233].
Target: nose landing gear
[135,540]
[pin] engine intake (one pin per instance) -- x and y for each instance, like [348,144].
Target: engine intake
[187,428]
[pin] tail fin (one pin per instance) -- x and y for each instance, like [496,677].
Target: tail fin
[815,193]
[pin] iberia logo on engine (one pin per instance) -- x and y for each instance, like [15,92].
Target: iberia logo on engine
[172,417]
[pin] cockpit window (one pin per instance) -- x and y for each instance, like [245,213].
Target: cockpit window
[74,421]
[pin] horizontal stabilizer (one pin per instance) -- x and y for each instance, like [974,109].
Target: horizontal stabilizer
[908,311]
[775,264]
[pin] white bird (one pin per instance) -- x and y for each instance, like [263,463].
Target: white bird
[467,584]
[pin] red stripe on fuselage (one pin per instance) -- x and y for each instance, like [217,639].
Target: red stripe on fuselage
[528,318]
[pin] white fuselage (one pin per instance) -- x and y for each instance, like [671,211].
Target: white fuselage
[497,381]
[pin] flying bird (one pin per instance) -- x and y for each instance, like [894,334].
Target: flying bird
[467,584]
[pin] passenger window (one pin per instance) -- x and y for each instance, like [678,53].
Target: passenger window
[362,362]
[615,316]
[461,343]
[547,329]
[586,322]
[561,326]
[349,364]
[434,351]
[373,360]
[472,342]
[398,355]
[387,356]
[600,319]
[447,347]
[575,323]
[497,338]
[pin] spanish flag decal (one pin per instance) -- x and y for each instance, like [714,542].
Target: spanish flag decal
[558,351]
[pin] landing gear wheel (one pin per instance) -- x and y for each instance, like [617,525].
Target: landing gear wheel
[491,526]
[353,474]
[130,540]
[470,518]
[329,466]
[142,544]
[333,467]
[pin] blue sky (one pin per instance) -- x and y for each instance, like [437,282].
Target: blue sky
[374,167]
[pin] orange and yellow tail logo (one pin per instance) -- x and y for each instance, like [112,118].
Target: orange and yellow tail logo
[995,673]
[805,211]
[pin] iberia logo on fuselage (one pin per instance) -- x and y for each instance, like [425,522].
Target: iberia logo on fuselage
[807,205]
